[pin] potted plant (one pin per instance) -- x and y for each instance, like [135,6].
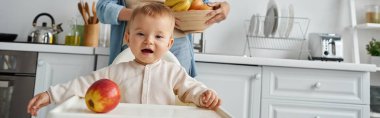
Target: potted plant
[373,49]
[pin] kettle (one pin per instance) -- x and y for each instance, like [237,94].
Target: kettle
[44,33]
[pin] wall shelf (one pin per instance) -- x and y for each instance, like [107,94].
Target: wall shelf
[369,26]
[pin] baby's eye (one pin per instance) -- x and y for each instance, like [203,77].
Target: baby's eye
[159,37]
[140,34]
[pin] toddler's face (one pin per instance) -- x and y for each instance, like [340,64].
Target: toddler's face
[149,38]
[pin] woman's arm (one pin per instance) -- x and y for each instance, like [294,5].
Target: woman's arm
[112,11]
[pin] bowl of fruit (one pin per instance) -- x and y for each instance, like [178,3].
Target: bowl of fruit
[190,14]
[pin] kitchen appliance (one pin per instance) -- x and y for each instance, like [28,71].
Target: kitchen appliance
[44,33]
[17,81]
[375,99]
[6,37]
[325,47]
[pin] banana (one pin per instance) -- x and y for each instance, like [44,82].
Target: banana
[183,5]
[171,3]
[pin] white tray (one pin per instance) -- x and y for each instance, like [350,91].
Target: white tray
[75,107]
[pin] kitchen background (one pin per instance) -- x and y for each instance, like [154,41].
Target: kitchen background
[227,37]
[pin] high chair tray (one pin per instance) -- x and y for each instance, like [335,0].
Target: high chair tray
[75,107]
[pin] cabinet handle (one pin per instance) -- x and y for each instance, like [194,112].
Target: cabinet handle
[257,76]
[317,86]
[40,62]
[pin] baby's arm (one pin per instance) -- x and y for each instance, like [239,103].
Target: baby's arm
[190,90]
[37,102]
[60,92]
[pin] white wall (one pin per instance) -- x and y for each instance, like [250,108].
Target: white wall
[227,37]
[16,16]
[326,16]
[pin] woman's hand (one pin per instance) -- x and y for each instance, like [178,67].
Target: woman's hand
[125,14]
[210,100]
[37,102]
[221,10]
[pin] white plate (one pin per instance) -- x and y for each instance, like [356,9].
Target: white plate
[283,22]
[271,21]
[290,21]
[252,25]
[258,23]
[276,18]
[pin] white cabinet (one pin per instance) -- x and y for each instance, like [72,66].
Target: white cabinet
[316,85]
[54,68]
[326,93]
[101,61]
[102,57]
[238,86]
[300,109]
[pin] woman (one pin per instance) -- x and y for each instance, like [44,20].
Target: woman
[118,12]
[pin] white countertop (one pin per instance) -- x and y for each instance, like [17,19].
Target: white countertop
[46,48]
[102,51]
[284,62]
[198,57]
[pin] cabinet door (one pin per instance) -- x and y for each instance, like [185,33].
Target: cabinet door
[299,109]
[101,61]
[316,85]
[237,85]
[54,68]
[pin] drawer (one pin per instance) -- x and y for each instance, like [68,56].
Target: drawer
[316,85]
[287,109]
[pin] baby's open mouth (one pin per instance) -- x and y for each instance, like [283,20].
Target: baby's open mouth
[147,51]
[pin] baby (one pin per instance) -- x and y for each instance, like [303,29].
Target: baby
[147,79]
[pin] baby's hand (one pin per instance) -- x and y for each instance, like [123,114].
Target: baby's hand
[38,101]
[210,100]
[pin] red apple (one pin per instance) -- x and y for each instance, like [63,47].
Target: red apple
[102,96]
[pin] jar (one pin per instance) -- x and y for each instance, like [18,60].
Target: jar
[73,37]
[373,14]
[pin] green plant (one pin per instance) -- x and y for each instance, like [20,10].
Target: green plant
[373,47]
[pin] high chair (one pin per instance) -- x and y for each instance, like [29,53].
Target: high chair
[126,55]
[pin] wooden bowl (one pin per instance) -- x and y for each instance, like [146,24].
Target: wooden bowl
[193,20]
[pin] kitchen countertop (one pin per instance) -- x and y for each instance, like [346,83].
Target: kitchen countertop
[34,47]
[284,62]
[198,57]
[102,51]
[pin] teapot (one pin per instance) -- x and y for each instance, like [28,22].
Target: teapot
[44,33]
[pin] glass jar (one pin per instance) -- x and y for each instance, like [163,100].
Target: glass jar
[73,37]
[373,14]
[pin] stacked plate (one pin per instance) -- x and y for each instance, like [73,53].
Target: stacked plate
[276,24]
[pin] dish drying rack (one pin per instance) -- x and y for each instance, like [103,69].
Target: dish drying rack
[289,33]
